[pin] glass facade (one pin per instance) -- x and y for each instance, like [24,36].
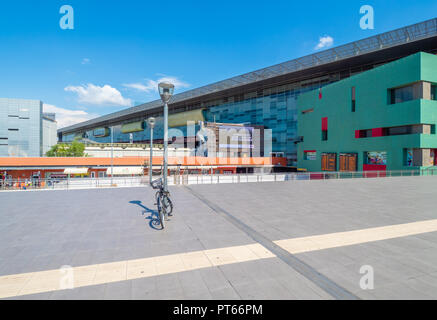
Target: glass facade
[277,112]
[20,128]
[273,108]
[49,136]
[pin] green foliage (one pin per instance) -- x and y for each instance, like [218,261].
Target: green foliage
[75,149]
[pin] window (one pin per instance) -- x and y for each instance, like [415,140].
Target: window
[353,100]
[417,90]
[376,157]
[419,157]
[307,111]
[277,154]
[408,157]
[395,131]
[324,129]
[309,155]
[324,135]
[403,94]
[329,162]
[348,162]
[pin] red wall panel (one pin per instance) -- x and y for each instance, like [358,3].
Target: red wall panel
[374,167]
[325,124]
[357,134]
[377,132]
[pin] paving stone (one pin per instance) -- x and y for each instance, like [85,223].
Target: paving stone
[115,227]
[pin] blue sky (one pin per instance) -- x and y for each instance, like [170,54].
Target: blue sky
[118,50]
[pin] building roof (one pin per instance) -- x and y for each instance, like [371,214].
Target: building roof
[398,37]
[13,162]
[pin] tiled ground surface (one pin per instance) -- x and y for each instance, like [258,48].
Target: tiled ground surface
[45,230]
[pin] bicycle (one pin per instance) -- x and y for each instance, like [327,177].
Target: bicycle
[163,201]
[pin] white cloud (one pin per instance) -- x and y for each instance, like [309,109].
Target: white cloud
[86,61]
[67,117]
[152,85]
[95,95]
[324,42]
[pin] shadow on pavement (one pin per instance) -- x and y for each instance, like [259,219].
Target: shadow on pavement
[153,217]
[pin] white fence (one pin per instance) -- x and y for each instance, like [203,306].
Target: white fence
[189,179]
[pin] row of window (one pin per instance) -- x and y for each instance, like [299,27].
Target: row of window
[419,90]
[370,157]
[394,131]
[348,161]
[420,157]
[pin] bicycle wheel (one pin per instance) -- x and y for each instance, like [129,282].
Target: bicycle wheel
[168,204]
[161,212]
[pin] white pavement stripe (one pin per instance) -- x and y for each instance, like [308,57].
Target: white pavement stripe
[348,238]
[53,280]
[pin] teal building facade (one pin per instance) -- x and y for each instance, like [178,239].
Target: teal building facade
[381,119]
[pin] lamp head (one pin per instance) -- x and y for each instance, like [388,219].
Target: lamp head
[166,90]
[151,122]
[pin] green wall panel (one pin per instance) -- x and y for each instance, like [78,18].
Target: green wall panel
[372,111]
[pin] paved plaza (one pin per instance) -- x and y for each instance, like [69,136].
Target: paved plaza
[271,240]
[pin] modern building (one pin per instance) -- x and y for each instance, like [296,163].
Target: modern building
[24,130]
[26,168]
[381,119]
[49,131]
[266,97]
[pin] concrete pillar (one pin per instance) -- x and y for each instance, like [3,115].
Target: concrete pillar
[426,90]
[421,157]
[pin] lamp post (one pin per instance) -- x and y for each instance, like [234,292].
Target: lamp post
[112,156]
[165,91]
[151,123]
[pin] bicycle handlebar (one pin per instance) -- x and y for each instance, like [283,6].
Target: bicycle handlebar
[156,184]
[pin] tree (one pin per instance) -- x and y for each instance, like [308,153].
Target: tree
[75,149]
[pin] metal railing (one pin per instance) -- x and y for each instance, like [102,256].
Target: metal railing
[276,177]
[189,179]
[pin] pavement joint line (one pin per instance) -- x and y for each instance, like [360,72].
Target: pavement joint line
[300,266]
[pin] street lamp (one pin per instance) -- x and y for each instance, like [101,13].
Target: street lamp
[165,91]
[151,123]
[112,156]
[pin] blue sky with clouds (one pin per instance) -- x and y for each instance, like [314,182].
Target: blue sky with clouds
[119,50]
